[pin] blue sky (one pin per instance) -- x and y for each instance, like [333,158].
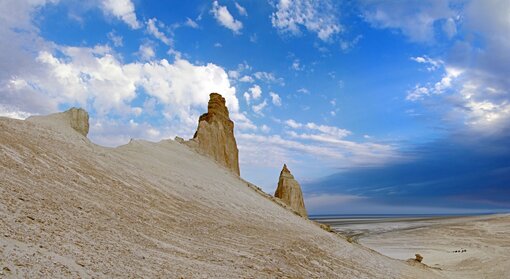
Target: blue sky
[376,106]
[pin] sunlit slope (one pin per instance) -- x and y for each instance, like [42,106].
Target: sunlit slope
[70,208]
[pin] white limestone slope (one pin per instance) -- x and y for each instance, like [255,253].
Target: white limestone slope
[69,208]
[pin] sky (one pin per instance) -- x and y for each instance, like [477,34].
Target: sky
[375,106]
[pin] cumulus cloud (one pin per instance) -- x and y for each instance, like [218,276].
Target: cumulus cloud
[318,17]
[94,77]
[256,92]
[225,18]
[275,99]
[123,10]
[253,93]
[146,52]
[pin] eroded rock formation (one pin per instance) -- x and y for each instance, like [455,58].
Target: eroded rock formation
[76,118]
[215,134]
[79,120]
[289,191]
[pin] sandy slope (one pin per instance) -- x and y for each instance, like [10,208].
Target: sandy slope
[470,247]
[73,209]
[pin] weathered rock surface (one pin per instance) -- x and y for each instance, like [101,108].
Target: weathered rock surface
[79,120]
[215,134]
[289,191]
[76,118]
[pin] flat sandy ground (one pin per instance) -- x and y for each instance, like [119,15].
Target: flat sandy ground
[468,247]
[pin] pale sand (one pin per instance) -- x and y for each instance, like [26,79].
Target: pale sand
[485,241]
[72,209]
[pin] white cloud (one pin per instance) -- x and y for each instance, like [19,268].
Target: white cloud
[41,77]
[303,91]
[420,92]
[247,97]
[241,68]
[483,114]
[434,64]
[152,28]
[344,154]
[317,16]
[146,52]
[191,23]
[415,19]
[296,66]
[242,11]
[293,124]
[268,78]
[256,92]
[116,39]
[275,98]
[218,45]
[258,108]
[234,74]
[109,132]
[329,130]
[226,19]
[247,79]
[93,76]
[326,133]
[477,92]
[242,122]
[346,45]
[13,112]
[122,9]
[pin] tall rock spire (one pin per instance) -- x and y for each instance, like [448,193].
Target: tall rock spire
[289,191]
[215,134]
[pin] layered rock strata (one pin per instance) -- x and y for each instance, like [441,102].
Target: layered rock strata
[215,134]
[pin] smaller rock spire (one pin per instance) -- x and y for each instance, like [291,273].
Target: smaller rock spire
[289,191]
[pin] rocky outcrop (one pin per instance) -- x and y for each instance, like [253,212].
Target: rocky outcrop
[215,134]
[79,120]
[289,191]
[76,118]
[418,258]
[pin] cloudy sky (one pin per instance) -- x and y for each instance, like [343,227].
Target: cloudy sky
[376,106]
